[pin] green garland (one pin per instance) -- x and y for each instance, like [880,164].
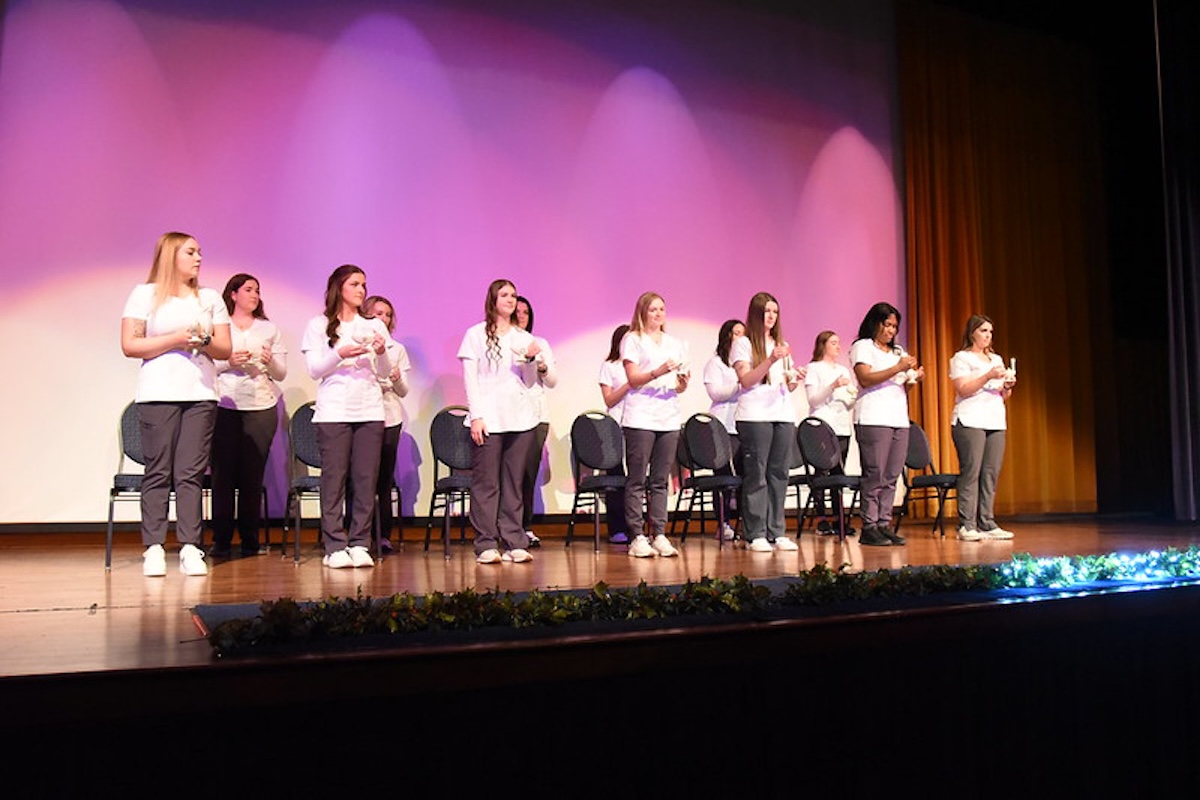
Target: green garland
[285,621]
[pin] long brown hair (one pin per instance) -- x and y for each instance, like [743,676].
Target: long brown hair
[819,345]
[614,349]
[489,316]
[333,298]
[757,332]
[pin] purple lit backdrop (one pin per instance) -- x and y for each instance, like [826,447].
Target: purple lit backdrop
[588,151]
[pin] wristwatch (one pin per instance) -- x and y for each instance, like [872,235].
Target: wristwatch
[206,340]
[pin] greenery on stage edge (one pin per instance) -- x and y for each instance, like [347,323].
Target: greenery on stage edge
[285,621]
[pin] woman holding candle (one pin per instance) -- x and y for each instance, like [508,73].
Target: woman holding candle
[982,387]
[885,372]
[766,423]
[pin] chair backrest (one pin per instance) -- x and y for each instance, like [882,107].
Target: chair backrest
[131,434]
[919,458]
[708,443]
[597,441]
[819,445]
[450,438]
[682,457]
[303,436]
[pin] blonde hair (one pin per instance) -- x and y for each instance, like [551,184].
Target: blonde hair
[640,311]
[163,274]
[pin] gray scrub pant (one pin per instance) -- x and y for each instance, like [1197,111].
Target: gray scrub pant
[980,455]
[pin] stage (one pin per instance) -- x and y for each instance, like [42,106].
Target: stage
[60,612]
[106,658]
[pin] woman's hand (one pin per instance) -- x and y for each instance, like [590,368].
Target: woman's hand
[532,350]
[842,380]
[907,362]
[681,381]
[478,430]
[239,358]
[380,344]
[781,351]
[351,350]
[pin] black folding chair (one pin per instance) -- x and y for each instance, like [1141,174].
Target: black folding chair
[822,455]
[706,448]
[924,482]
[597,446]
[450,440]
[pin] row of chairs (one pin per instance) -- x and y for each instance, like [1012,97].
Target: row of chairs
[706,458]
[597,463]
[127,486]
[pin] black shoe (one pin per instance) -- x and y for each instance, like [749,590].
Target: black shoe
[892,536]
[824,528]
[874,537]
[220,550]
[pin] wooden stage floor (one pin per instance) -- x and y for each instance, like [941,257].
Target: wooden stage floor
[61,613]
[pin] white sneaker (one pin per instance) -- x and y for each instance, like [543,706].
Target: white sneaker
[761,545]
[360,556]
[727,533]
[640,548]
[663,546]
[969,535]
[490,556]
[534,540]
[784,543]
[339,559]
[997,533]
[516,556]
[191,560]
[154,561]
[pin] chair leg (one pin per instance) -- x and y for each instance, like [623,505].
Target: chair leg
[596,523]
[687,515]
[296,534]
[720,499]
[429,520]
[939,522]
[839,507]
[571,520]
[264,544]
[108,539]
[446,529]
[462,517]
[803,510]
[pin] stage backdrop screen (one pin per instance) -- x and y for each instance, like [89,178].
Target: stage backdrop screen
[589,151]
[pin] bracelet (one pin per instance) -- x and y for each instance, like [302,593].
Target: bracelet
[206,340]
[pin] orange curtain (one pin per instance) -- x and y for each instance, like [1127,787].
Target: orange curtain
[1003,207]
